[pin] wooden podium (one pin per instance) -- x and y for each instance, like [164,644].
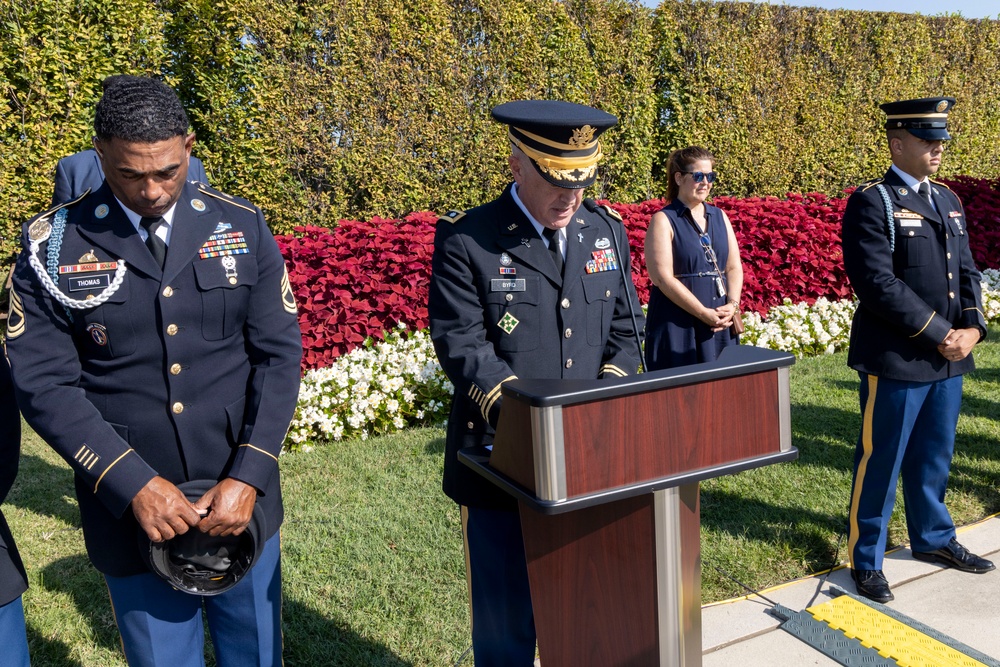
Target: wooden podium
[606,473]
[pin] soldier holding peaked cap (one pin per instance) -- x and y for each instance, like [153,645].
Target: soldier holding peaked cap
[526,286]
[154,341]
[906,251]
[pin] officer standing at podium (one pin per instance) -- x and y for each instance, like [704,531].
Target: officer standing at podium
[906,252]
[527,286]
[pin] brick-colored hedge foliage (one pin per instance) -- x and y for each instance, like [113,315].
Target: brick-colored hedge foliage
[332,109]
[361,279]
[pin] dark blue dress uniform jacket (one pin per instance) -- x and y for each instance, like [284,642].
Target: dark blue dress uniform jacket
[488,329]
[189,373]
[911,297]
[13,579]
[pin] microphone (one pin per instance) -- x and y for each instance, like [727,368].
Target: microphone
[592,206]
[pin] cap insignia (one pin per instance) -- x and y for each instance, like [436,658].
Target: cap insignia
[941,106]
[582,136]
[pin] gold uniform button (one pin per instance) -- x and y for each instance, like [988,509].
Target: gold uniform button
[949,255]
[951,295]
[168,291]
[569,363]
[177,408]
[607,293]
[175,369]
[471,425]
[509,297]
[949,275]
[171,329]
[568,333]
[911,233]
[565,303]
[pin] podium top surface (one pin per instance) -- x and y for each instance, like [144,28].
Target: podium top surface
[734,360]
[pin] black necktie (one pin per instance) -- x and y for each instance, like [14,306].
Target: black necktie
[924,190]
[551,235]
[157,248]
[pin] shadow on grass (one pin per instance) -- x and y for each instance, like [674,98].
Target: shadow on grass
[806,531]
[314,640]
[75,577]
[45,651]
[310,639]
[435,446]
[45,489]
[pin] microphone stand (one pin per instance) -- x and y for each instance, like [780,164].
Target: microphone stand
[592,206]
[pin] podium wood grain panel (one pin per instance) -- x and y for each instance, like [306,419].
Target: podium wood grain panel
[593,584]
[676,440]
[515,458]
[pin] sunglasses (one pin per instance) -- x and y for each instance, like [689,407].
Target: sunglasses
[700,176]
[706,244]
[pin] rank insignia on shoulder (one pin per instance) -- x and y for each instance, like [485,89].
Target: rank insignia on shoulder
[508,323]
[453,216]
[287,295]
[612,212]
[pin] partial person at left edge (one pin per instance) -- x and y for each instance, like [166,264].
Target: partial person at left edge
[154,343]
[13,579]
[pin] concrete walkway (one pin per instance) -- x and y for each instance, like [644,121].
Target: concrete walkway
[966,607]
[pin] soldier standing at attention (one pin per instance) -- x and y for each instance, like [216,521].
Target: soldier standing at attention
[154,341]
[906,251]
[526,286]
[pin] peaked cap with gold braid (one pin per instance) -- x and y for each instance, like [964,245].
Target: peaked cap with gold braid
[559,137]
[926,117]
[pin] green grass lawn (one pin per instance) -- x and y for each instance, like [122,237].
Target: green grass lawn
[373,564]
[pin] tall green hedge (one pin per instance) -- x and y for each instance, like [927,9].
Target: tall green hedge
[353,108]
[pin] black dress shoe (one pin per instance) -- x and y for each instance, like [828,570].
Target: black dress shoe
[872,585]
[956,556]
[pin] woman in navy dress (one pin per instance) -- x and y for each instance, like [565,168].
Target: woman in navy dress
[692,307]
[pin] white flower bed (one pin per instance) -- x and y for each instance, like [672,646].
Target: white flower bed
[387,386]
[378,388]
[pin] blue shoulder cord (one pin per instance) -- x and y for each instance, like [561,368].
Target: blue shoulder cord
[889,222]
[53,248]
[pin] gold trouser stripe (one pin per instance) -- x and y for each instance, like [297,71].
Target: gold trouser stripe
[465,545]
[859,478]
[113,464]
[925,326]
[260,450]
